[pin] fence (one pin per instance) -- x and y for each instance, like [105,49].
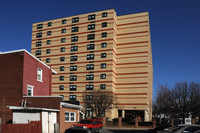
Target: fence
[32,127]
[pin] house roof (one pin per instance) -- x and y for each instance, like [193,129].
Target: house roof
[68,105]
[32,108]
[23,50]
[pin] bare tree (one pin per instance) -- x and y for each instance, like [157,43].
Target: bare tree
[99,101]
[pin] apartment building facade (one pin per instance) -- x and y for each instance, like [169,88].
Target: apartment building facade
[99,50]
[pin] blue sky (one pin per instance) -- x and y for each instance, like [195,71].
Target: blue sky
[174,24]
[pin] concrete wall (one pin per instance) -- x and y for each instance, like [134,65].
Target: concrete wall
[25,117]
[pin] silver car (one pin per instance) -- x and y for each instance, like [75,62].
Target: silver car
[182,128]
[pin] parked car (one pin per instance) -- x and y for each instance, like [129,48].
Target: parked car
[88,126]
[182,128]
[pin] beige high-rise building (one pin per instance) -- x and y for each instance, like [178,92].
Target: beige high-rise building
[99,50]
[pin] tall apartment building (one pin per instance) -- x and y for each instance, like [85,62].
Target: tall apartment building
[99,50]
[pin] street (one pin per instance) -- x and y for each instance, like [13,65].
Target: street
[124,131]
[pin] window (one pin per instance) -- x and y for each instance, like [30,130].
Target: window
[48,42]
[103,55]
[102,86]
[103,45]
[104,34]
[74,29]
[38,44]
[72,87]
[39,26]
[62,68]
[91,36]
[91,26]
[63,40]
[63,30]
[90,46]
[104,14]
[104,24]
[73,78]
[47,60]
[89,87]
[48,33]
[62,58]
[90,67]
[74,39]
[73,58]
[38,52]
[72,97]
[48,51]
[103,65]
[61,97]
[90,56]
[61,87]
[61,78]
[49,24]
[89,97]
[91,17]
[70,116]
[74,20]
[39,74]
[90,77]
[64,21]
[74,48]
[30,90]
[73,68]
[39,35]
[62,49]
[103,76]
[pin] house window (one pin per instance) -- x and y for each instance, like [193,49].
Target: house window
[73,58]
[30,90]
[91,36]
[91,17]
[73,68]
[104,24]
[39,26]
[48,42]
[61,87]
[62,68]
[72,87]
[89,97]
[90,46]
[39,74]
[74,29]
[63,30]
[62,58]
[48,51]
[90,67]
[72,97]
[47,60]
[103,55]
[103,76]
[89,87]
[90,77]
[102,86]
[61,97]
[74,48]
[38,44]
[63,40]
[39,35]
[104,34]
[61,78]
[103,65]
[74,39]
[90,56]
[64,21]
[49,24]
[73,78]
[62,49]
[70,116]
[103,45]
[38,52]
[104,14]
[74,20]
[91,26]
[48,33]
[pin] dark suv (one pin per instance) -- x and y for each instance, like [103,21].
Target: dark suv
[88,126]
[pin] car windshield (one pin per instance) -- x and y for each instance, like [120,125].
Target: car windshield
[172,129]
[85,122]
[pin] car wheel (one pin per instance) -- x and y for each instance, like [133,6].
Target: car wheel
[100,130]
[89,131]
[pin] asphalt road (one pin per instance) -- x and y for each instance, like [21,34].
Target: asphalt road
[124,131]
